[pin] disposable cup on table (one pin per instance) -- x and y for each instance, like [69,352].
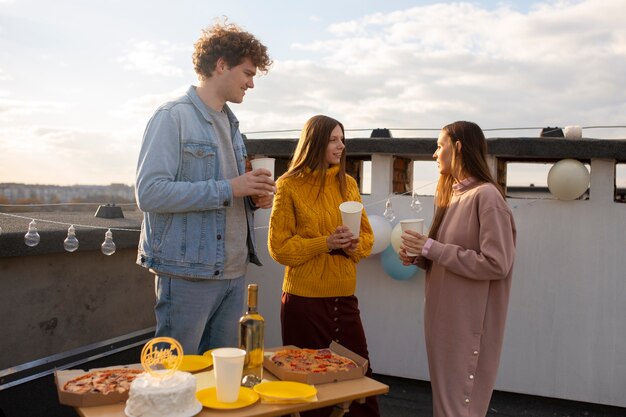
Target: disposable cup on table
[227,366]
[416,225]
[267,163]
[351,216]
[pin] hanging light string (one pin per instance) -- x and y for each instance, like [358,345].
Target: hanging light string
[87,226]
[401,194]
[132,204]
[70,244]
[108,246]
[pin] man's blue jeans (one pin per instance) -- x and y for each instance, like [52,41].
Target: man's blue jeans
[201,314]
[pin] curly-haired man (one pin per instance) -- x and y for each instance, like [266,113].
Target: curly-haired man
[197,234]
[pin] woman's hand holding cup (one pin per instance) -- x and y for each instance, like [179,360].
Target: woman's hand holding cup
[341,238]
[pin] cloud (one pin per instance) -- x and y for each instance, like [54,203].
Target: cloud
[144,106]
[3,75]
[11,109]
[67,155]
[153,58]
[559,63]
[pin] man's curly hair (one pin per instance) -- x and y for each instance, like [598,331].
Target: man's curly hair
[228,41]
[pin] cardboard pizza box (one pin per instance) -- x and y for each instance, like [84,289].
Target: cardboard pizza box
[88,399]
[313,379]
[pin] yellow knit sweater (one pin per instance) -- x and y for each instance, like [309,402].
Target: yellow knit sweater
[299,225]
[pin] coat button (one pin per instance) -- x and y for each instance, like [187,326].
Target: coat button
[335,319]
[219,237]
[475,352]
[216,273]
[337,330]
[225,203]
[467,401]
[471,376]
[335,308]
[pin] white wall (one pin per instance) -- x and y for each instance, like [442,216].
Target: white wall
[566,331]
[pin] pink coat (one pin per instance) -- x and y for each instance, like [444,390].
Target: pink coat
[467,296]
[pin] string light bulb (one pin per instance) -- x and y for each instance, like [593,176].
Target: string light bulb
[108,246]
[389,214]
[31,238]
[71,242]
[416,205]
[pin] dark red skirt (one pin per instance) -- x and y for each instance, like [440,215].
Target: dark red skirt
[314,323]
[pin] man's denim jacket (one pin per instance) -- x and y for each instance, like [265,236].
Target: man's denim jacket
[182,193]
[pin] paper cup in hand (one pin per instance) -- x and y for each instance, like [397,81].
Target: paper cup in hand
[416,225]
[228,366]
[267,163]
[351,216]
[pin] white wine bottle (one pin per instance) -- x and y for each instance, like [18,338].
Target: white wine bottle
[251,333]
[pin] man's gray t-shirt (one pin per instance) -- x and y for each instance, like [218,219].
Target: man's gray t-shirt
[236,247]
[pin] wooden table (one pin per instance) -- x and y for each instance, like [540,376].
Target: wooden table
[337,394]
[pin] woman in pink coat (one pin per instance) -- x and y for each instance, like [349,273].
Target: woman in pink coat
[468,256]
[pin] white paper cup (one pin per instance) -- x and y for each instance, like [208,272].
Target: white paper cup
[267,163]
[351,216]
[228,366]
[416,225]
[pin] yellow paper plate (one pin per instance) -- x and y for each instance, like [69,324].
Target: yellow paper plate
[208,398]
[285,390]
[204,379]
[192,363]
[208,353]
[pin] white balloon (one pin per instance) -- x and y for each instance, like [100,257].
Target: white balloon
[382,233]
[568,179]
[396,236]
[396,239]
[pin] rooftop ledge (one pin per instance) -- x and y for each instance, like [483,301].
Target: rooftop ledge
[513,148]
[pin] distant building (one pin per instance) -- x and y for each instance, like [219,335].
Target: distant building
[15,193]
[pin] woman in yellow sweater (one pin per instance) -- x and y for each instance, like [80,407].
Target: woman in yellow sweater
[320,255]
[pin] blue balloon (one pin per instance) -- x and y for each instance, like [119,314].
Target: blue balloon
[392,265]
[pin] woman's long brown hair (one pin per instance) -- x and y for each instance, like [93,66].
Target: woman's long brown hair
[472,160]
[311,151]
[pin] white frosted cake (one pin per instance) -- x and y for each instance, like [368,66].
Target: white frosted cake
[173,396]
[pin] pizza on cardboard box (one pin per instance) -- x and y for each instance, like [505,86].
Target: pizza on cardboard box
[315,366]
[99,386]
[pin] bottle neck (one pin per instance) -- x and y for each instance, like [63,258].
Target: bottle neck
[252,299]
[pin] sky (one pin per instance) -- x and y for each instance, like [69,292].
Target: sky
[80,79]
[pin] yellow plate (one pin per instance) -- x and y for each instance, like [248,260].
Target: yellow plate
[208,354]
[192,363]
[208,398]
[285,390]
